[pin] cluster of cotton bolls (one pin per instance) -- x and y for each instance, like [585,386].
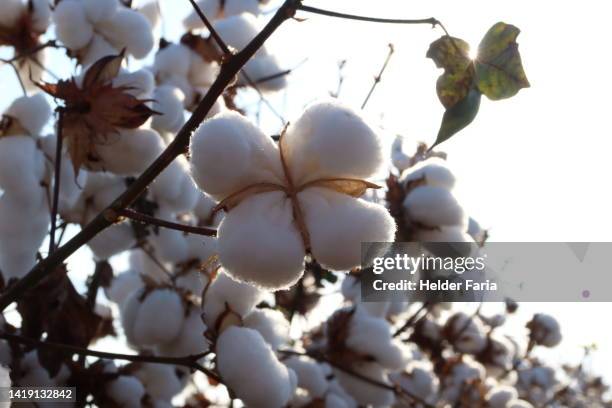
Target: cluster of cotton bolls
[218,9]
[92,29]
[22,22]
[24,174]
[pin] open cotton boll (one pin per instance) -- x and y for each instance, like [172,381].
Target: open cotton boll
[123,285]
[174,189]
[335,401]
[261,68]
[157,319]
[160,380]
[144,264]
[433,171]
[237,31]
[500,396]
[275,260]
[338,224]
[418,379]
[139,83]
[21,166]
[399,158]
[41,15]
[544,330]
[228,153]
[112,241]
[131,153]
[466,334]
[130,29]
[444,234]
[331,140]
[434,206]
[168,100]
[350,288]
[71,24]
[169,245]
[126,391]
[190,340]
[33,112]
[100,10]
[10,12]
[97,48]
[173,59]
[210,8]
[311,376]
[249,367]
[202,73]
[201,247]
[240,297]
[150,10]
[271,324]
[363,392]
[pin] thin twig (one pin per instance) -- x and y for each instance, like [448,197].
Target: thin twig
[210,28]
[434,22]
[411,320]
[178,146]
[185,361]
[147,219]
[378,77]
[57,177]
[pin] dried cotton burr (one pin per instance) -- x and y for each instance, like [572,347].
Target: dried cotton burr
[303,197]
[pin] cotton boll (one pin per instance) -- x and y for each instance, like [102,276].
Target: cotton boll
[363,392]
[190,340]
[41,15]
[156,320]
[126,391]
[21,166]
[262,67]
[143,263]
[129,29]
[168,100]
[160,380]
[202,73]
[275,260]
[399,158]
[100,10]
[331,141]
[174,188]
[500,396]
[235,7]
[351,290]
[131,154]
[112,241]
[444,234]
[418,379]
[204,207]
[169,245]
[139,83]
[271,324]
[544,330]
[210,8]
[123,285]
[433,206]
[459,376]
[339,224]
[10,12]
[201,247]
[151,12]
[240,297]
[476,231]
[433,171]
[237,31]
[174,59]
[310,375]
[97,48]
[71,24]
[33,112]
[335,401]
[465,333]
[193,281]
[241,352]
[228,153]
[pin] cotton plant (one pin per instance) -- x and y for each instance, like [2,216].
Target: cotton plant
[298,198]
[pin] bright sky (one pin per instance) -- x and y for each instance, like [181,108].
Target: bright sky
[532,168]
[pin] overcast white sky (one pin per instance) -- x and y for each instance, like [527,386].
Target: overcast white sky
[532,168]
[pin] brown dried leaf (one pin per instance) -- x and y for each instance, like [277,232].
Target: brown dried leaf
[350,187]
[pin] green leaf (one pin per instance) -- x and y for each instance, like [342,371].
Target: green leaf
[499,69]
[458,116]
[451,54]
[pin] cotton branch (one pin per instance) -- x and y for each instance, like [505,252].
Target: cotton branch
[180,144]
[378,77]
[57,177]
[185,361]
[147,219]
[210,28]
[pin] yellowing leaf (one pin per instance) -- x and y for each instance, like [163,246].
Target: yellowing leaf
[452,54]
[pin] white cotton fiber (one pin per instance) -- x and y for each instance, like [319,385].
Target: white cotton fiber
[126,391]
[190,340]
[465,333]
[169,244]
[238,31]
[544,330]
[433,171]
[500,396]
[160,380]
[130,153]
[271,324]
[174,59]
[210,8]
[399,158]
[418,379]
[130,29]
[338,224]
[202,73]
[123,285]
[33,112]
[335,401]
[71,24]
[100,10]
[41,15]
[228,153]
[168,186]
[168,100]
[10,12]
[97,48]
[363,392]
[259,243]
[224,292]
[249,367]
[330,140]
[433,206]
[139,83]
[21,165]
[443,234]
[150,10]
[157,319]
[351,289]
[262,67]
[311,376]
[111,241]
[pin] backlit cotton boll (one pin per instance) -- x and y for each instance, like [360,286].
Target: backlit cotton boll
[544,330]
[364,392]
[311,376]
[432,172]
[466,333]
[271,324]
[214,9]
[130,153]
[71,24]
[237,31]
[129,29]
[249,367]
[32,112]
[266,72]
[190,340]
[100,10]
[160,380]
[168,100]
[433,206]
[123,285]
[126,391]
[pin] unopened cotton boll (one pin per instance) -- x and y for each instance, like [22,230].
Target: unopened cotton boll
[237,31]
[130,29]
[240,297]
[156,320]
[159,380]
[131,153]
[364,392]
[123,285]
[275,260]
[433,171]
[126,391]
[32,112]
[228,153]
[271,324]
[433,206]
[311,376]
[249,367]
[100,10]
[331,140]
[339,224]
[168,100]
[10,12]
[71,24]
